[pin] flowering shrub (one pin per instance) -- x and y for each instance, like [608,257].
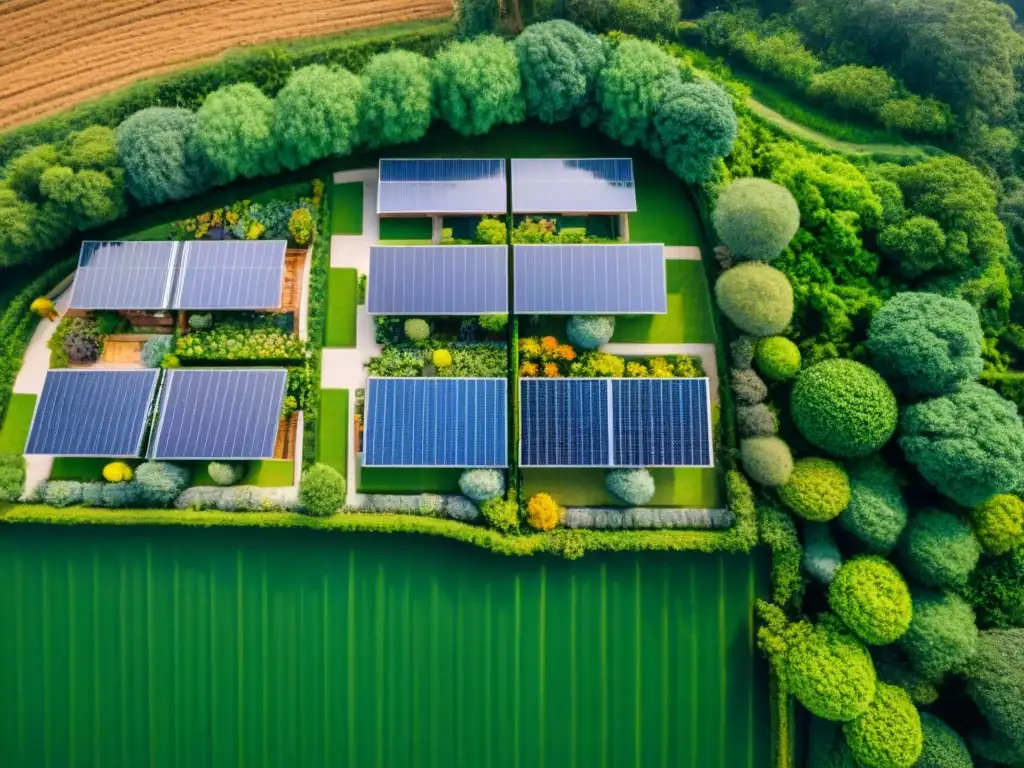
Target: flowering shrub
[487,360]
[246,220]
[80,335]
[491,231]
[301,226]
[531,231]
[598,365]
[117,472]
[542,512]
[44,308]
[551,371]
[501,514]
[235,341]
[442,358]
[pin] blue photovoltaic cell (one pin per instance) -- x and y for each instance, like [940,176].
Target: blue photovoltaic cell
[590,279]
[92,413]
[230,274]
[601,185]
[436,422]
[438,280]
[441,187]
[124,275]
[564,423]
[210,413]
[661,423]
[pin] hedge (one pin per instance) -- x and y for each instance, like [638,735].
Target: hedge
[315,318]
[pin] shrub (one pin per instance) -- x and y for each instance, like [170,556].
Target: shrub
[316,115]
[81,348]
[233,130]
[694,126]
[817,490]
[888,734]
[501,514]
[161,158]
[491,232]
[43,307]
[853,87]
[239,341]
[225,472]
[493,323]
[482,485]
[159,483]
[748,387]
[844,408]
[12,477]
[201,321]
[743,351]
[431,505]
[942,636]
[926,344]
[441,358]
[92,494]
[756,421]
[872,599]
[301,226]
[996,591]
[397,99]
[598,365]
[416,329]
[589,331]
[154,349]
[476,85]
[633,486]
[821,558]
[756,298]
[62,493]
[117,472]
[877,513]
[941,550]
[942,746]
[766,460]
[969,444]
[461,508]
[999,523]
[559,64]
[778,358]
[121,495]
[321,490]
[996,685]
[542,512]
[756,219]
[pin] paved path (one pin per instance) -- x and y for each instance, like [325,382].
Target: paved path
[705,351]
[682,252]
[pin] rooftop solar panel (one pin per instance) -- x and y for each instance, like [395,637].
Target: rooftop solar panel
[92,413]
[590,279]
[600,185]
[125,275]
[230,274]
[211,413]
[436,422]
[438,280]
[466,187]
[564,423]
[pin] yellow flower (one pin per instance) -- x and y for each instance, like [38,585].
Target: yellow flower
[528,369]
[529,347]
[542,512]
[636,370]
[232,217]
[442,358]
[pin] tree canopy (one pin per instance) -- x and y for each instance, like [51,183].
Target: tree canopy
[397,99]
[477,85]
[756,218]
[234,131]
[996,684]
[943,635]
[316,115]
[877,512]
[161,158]
[559,64]
[694,126]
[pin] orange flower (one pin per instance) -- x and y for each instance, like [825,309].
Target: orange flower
[549,343]
[551,371]
[565,352]
[528,369]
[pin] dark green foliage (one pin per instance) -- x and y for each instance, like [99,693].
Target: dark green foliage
[892,667]
[397,99]
[888,734]
[321,490]
[756,218]
[877,512]
[942,637]
[844,408]
[647,18]
[756,420]
[926,344]
[996,591]
[996,684]
[817,490]
[316,115]
[694,126]
[766,460]
[969,445]
[160,154]
[943,747]
[917,245]
[777,531]
[756,298]
[941,551]
[872,599]
[12,477]
[159,483]
[476,85]
[827,746]
[475,17]
[233,129]
[778,358]
[559,64]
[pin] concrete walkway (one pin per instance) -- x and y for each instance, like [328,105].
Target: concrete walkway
[682,252]
[706,352]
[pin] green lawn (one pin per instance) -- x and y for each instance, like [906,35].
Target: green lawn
[689,319]
[412,480]
[332,429]
[405,228]
[266,473]
[347,209]
[14,432]
[675,487]
[342,292]
[665,212]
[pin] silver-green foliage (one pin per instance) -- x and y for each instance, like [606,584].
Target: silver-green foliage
[162,160]
[635,487]
[756,218]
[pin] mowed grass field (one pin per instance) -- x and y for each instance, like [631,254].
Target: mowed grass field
[245,647]
[57,54]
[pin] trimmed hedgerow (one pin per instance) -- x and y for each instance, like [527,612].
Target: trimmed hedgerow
[888,734]
[942,637]
[817,490]
[756,218]
[756,298]
[940,549]
[778,531]
[766,460]
[872,598]
[778,358]
[999,523]
[877,512]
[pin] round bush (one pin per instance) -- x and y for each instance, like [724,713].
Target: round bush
[501,514]
[633,486]
[748,387]
[766,460]
[321,491]
[888,734]
[154,349]
[159,483]
[442,358]
[493,323]
[844,408]
[756,421]
[943,635]
[201,322]
[589,331]
[117,472]
[778,358]
[756,218]
[940,549]
[821,557]
[817,490]
[225,472]
[542,512]
[62,493]
[872,598]
[461,508]
[559,64]
[416,329]
[943,747]
[756,298]
[999,523]
[482,484]
[877,513]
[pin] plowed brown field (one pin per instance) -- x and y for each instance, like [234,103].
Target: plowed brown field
[57,53]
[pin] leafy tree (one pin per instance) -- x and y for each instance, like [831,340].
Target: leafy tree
[969,444]
[161,158]
[559,64]
[756,298]
[694,126]
[23,172]
[942,637]
[872,599]
[999,523]
[756,218]
[646,18]
[316,115]
[475,17]
[853,87]
[877,512]
[888,734]
[817,490]
[996,685]
[85,198]
[942,746]
[477,86]
[321,491]
[941,550]
[918,245]
[778,358]
[766,460]
[633,486]
[18,233]
[92,148]
[397,99]
[234,130]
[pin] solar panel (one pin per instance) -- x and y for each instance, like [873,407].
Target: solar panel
[124,275]
[438,280]
[92,413]
[226,413]
[615,423]
[466,187]
[590,279]
[600,185]
[230,274]
[436,422]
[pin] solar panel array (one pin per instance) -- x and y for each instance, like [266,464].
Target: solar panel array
[615,423]
[124,275]
[590,279]
[601,185]
[209,413]
[230,274]
[436,422]
[92,413]
[421,186]
[438,280]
